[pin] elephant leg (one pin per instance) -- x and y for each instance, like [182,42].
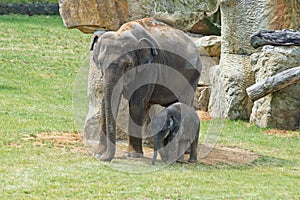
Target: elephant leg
[138,106]
[194,147]
[163,154]
[134,147]
[135,130]
[101,148]
[181,150]
[172,150]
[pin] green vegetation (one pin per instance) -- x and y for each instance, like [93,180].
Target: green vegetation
[29,1]
[39,62]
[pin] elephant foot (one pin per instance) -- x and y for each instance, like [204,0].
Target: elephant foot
[134,155]
[100,149]
[192,160]
[97,155]
[106,157]
[180,159]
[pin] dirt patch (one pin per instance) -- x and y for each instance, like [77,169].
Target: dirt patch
[71,141]
[285,133]
[203,116]
[223,154]
[206,155]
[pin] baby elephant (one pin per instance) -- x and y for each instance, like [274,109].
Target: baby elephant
[175,129]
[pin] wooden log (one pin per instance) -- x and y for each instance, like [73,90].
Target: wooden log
[274,83]
[275,38]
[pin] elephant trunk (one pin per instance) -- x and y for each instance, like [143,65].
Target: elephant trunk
[111,101]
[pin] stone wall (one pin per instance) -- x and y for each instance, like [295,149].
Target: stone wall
[209,51]
[92,15]
[280,109]
[240,19]
[30,9]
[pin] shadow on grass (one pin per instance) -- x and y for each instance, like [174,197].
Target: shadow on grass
[273,162]
[262,161]
[6,87]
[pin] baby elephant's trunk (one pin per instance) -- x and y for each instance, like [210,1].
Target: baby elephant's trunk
[154,157]
[156,146]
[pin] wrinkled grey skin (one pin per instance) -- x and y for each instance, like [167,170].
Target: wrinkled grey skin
[175,129]
[131,53]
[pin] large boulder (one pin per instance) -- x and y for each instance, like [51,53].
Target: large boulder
[138,9]
[209,46]
[280,109]
[240,19]
[190,16]
[209,51]
[229,81]
[91,15]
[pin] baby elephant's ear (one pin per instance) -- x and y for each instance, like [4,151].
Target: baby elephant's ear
[173,124]
[159,122]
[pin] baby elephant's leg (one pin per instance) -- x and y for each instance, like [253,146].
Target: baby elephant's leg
[194,149]
[172,150]
[163,154]
[182,147]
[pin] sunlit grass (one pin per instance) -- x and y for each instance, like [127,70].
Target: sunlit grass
[39,61]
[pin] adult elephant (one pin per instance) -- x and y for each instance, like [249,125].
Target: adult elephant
[148,62]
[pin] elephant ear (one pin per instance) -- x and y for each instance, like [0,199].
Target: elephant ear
[173,124]
[95,40]
[159,122]
[147,51]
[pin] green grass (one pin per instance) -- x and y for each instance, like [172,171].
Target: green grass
[39,61]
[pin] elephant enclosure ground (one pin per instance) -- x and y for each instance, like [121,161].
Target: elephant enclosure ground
[73,142]
[219,154]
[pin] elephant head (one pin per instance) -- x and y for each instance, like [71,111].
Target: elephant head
[120,58]
[164,126]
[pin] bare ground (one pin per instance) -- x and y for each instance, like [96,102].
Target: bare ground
[206,155]
[284,133]
[217,154]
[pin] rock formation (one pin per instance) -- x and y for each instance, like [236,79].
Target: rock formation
[280,109]
[209,50]
[91,15]
[240,19]
[187,15]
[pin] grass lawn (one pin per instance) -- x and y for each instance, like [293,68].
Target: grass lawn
[39,61]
